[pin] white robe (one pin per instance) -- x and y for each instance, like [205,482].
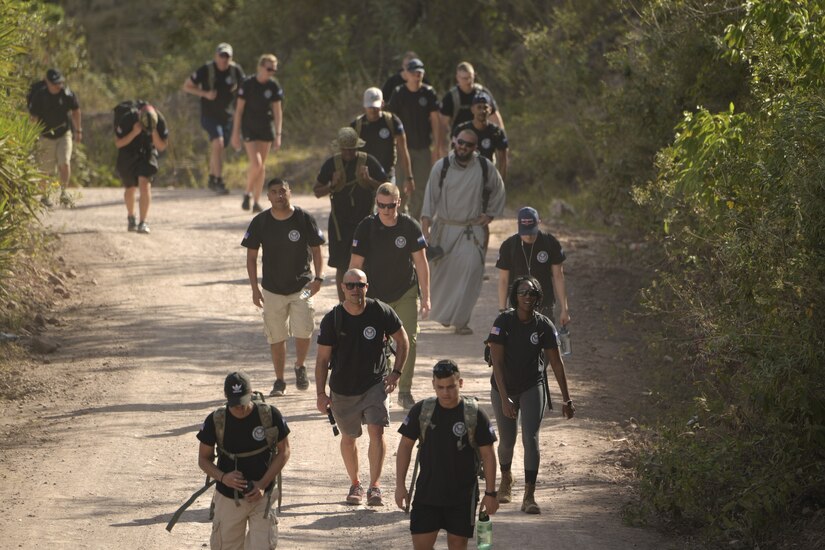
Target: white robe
[455,278]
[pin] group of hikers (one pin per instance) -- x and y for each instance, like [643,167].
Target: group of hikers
[407,237]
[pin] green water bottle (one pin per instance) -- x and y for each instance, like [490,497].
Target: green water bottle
[484,531]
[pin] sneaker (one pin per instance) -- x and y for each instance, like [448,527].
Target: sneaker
[278,389]
[356,494]
[132,223]
[405,400]
[374,496]
[301,380]
[463,331]
[220,187]
[257,208]
[143,228]
[246,200]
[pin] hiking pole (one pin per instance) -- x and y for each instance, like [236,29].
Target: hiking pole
[412,483]
[335,431]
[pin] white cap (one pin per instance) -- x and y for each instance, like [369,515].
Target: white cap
[373,98]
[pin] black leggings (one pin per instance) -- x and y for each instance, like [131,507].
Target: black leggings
[530,406]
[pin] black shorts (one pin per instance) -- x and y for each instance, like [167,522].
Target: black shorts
[130,170]
[258,133]
[457,520]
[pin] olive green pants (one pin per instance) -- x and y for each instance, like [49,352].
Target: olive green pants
[406,308]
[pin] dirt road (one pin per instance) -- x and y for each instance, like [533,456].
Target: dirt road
[104,451]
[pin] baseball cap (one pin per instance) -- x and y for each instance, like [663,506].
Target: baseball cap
[528,221]
[481,97]
[223,47]
[415,64]
[54,76]
[238,389]
[373,98]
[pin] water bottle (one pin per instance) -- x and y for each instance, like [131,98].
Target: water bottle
[305,294]
[484,532]
[565,347]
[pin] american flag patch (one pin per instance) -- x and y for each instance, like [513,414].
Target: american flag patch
[421,240]
[246,235]
[406,420]
[496,331]
[354,242]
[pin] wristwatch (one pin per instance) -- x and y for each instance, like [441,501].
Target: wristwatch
[318,279]
[490,493]
[396,371]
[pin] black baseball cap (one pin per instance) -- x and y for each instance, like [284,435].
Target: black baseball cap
[238,389]
[481,97]
[54,76]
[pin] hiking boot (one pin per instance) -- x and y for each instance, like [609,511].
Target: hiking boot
[301,380]
[66,200]
[405,400]
[463,331]
[278,389]
[132,223]
[356,494]
[528,504]
[143,228]
[257,208]
[220,187]
[247,199]
[505,488]
[213,181]
[374,496]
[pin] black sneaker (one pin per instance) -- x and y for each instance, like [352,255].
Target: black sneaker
[301,380]
[247,199]
[278,389]
[220,187]
[132,223]
[257,208]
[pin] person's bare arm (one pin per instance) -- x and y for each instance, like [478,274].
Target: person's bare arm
[404,160]
[435,127]
[503,280]
[322,359]
[561,293]
[235,140]
[277,117]
[488,457]
[121,142]
[356,261]
[76,124]
[496,119]
[497,356]
[252,273]
[556,363]
[403,457]
[191,88]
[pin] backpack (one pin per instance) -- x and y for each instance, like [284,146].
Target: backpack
[360,160]
[457,106]
[35,88]
[359,123]
[485,173]
[470,421]
[124,108]
[234,69]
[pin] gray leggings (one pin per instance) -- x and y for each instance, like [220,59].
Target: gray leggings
[530,406]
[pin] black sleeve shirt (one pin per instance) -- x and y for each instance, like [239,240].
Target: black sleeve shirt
[523,344]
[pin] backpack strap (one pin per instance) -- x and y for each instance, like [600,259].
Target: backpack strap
[445,165]
[219,416]
[485,176]
[426,417]
[359,123]
[471,420]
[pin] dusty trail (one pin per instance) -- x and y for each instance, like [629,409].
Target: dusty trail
[107,452]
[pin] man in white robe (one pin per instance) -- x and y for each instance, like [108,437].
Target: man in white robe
[458,203]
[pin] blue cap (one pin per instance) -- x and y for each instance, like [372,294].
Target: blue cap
[528,221]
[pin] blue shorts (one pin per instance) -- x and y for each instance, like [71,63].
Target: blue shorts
[217,130]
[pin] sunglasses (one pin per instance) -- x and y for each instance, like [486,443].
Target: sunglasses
[443,369]
[270,69]
[224,55]
[528,292]
[351,286]
[389,206]
[465,143]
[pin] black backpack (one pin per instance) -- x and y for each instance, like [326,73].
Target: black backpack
[34,89]
[126,107]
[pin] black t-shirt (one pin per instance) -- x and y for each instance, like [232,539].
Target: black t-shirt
[141,147]
[53,110]
[394,82]
[242,435]
[286,244]
[354,202]
[387,253]
[465,100]
[520,259]
[447,474]
[257,112]
[523,344]
[226,83]
[414,108]
[358,361]
[490,139]
[380,139]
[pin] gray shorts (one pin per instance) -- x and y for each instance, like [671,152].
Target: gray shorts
[371,407]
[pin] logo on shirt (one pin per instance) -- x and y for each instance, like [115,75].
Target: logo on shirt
[459,429]
[229,79]
[384,133]
[534,338]
[542,257]
[258,434]
[294,235]
[495,331]
[485,143]
[268,94]
[422,101]
[401,242]
[369,333]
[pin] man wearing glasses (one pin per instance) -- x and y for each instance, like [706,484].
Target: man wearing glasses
[446,491]
[217,83]
[389,247]
[465,192]
[352,341]
[55,106]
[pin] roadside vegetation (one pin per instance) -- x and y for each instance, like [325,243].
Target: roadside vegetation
[696,126]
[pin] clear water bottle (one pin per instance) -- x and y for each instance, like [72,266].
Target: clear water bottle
[305,294]
[484,532]
[565,347]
